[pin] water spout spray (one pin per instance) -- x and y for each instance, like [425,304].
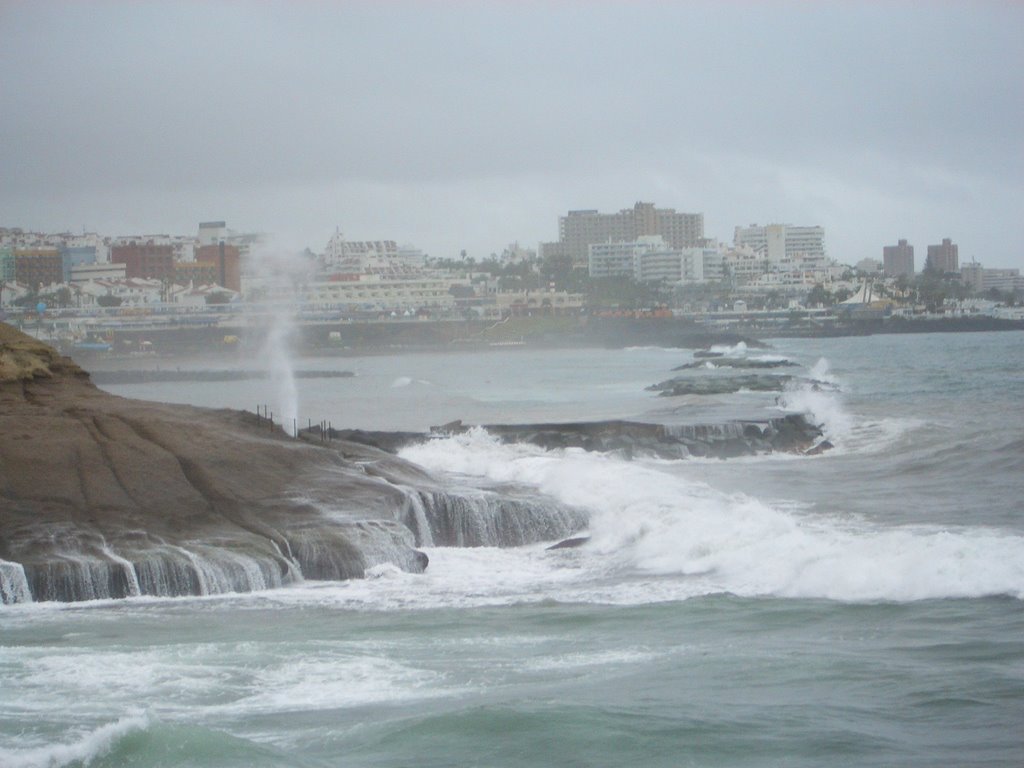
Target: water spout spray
[277,277]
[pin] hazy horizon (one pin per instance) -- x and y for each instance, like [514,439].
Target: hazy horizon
[456,126]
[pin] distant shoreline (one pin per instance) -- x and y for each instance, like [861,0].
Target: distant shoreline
[160,375]
[377,338]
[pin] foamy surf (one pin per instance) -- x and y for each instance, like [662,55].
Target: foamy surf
[650,518]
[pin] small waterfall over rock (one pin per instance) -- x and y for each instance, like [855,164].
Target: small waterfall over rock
[357,546]
[219,570]
[335,550]
[73,577]
[13,584]
[487,519]
[166,571]
[706,432]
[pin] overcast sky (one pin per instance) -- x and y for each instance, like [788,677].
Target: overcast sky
[467,125]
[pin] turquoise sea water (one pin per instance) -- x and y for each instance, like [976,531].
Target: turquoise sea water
[864,607]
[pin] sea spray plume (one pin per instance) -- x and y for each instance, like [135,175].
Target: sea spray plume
[821,403]
[275,275]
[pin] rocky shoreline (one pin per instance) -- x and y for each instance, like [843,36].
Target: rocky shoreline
[105,497]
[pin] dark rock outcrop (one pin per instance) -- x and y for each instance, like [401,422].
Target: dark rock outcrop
[735,362]
[573,543]
[720,385]
[107,497]
[792,433]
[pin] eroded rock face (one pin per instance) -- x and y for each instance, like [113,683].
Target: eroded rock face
[107,497]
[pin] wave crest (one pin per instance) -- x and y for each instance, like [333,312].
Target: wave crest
[90,747]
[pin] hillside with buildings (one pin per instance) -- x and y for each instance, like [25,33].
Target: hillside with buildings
[642,261]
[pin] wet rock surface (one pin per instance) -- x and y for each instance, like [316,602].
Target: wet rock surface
[791,433]
[108,497]
[720,385]
[734,362]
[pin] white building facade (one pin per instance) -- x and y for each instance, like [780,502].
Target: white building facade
[779,242]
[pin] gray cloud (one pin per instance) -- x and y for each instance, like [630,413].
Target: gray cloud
[469,125]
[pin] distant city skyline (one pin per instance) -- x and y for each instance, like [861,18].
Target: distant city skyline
[458,127]
[197,233]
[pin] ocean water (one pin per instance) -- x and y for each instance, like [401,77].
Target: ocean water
[864,607]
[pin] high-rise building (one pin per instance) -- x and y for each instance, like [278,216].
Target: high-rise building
[145,260]
[225,260]
[6,264]
[972,274]
[212,232]
[580,229]
[36,267]
[782,242]
[76,256]
[898,259]
[944,257]
[619,258]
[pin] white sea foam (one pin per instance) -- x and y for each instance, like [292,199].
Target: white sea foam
[405,381]
[570,661]
[736,350]
[334,681]
[174,683]
[825,407]
[83,751]
[651,519]
[673,350]
[822,403]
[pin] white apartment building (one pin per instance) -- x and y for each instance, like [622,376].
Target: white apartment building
[650,259]
[743,264]
[352,253]
[669,266]
[778,242]
[1003,279]
[978,278]
[618,258]
[367,292]
[713,264]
